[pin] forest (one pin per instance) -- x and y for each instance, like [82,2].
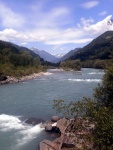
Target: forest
[18,61]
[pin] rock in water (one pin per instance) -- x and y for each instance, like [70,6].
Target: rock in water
[55,118]
[33,121]
[48,127]
[3,78]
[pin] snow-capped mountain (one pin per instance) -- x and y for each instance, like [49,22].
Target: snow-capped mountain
[55,58]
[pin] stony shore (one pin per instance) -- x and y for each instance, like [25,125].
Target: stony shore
[70,138]
[23,78]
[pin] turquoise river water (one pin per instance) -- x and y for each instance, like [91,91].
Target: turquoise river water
[34,98]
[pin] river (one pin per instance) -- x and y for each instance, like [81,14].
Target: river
[34,98]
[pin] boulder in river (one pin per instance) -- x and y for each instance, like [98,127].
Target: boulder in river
[55,118]
[3,78]
[33,121]
[48,127]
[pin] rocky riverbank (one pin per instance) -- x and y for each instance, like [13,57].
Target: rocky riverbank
[74,133]
[9,79]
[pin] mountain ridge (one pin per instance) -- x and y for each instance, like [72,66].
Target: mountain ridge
[99,48]
[45,55]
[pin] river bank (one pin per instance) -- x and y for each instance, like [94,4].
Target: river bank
[11,79]
[74,133]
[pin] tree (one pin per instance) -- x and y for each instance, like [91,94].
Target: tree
[71,64]
[104,92]
[103,133]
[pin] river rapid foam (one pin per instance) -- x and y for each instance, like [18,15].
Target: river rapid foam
[24,132]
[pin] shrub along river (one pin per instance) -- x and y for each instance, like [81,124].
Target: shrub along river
[34,98]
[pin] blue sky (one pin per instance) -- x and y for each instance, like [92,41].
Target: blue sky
[56,26]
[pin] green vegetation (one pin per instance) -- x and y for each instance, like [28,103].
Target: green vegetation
[98,110]
[71,65]
[97,63]
[104,92]
[18,61]
[94,55]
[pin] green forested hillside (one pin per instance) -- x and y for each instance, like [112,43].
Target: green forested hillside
[97,52]
[18,61]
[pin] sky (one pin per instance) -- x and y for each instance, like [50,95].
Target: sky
[56,26]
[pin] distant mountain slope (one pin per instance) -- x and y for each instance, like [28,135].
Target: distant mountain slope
[52,58]
[69,54]
[99,48]
[45,55]
[21,48]
[11,47]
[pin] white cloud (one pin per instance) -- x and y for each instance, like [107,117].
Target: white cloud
[53,18]
[86,22]
[11,34]
[59,11]
[65,41]
[82,33]
[10,18]
[99,27]
[7,34]
[59,47]
[90,4]
[102,13]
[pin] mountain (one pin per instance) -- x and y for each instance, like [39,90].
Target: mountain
[100,48]
[55,58]
[69,54]
[45,55]
[13,48]
[21,48]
